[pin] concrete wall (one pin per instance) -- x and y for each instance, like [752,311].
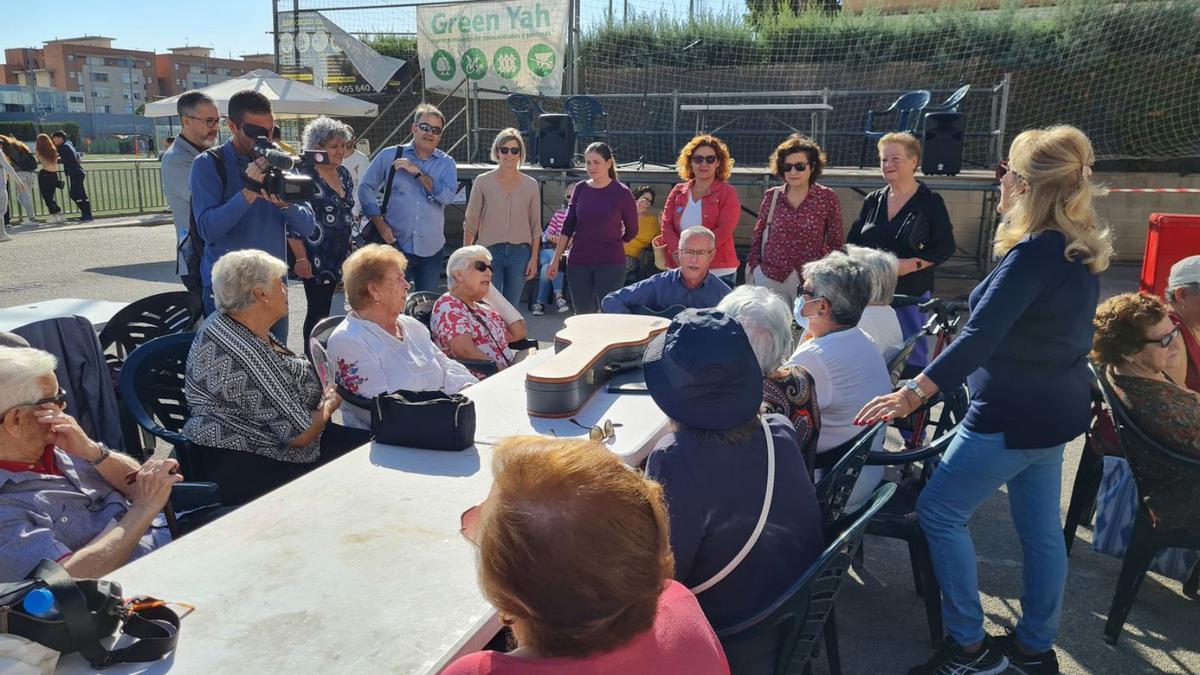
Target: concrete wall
[1126,213]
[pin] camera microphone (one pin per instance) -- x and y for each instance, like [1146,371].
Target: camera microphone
[278,159]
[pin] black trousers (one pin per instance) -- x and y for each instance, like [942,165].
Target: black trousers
[590,283]
[79,195]
[48,186]
[245,476]
[319,298]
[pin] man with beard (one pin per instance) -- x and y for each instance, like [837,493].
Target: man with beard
[200,118]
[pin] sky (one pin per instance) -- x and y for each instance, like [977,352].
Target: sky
[228,26]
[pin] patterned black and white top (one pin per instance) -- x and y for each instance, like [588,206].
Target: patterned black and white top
[249,395]
[329,244]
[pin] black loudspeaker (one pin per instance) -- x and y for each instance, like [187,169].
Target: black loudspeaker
[942,149]
[556,141]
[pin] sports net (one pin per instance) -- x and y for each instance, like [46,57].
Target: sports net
[1127,73]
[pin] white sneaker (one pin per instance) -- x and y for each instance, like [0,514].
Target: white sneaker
[538,309]
[4,235]
[561,303]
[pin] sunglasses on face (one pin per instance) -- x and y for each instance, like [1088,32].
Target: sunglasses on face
[603,433]
[1164,341]
[704,159]
[481,266]
[429,128]
[787,167]
[509,150]
[468,524]
[1002,170]
[60,398]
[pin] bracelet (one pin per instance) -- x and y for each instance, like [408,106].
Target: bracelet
[300,260]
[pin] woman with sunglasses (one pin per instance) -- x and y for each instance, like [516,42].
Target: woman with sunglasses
[575,556]
[1024,354]
[466,323]
[910,220]
[801,220]
[504,214]
[705,199]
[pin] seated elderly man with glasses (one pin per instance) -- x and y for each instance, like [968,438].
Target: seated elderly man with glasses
[689,286]
[63,496]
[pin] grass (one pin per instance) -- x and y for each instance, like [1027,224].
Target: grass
[113,188]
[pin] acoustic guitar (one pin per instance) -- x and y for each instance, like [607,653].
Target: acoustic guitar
[589,350]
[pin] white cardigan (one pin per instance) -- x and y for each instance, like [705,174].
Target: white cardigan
[365,359]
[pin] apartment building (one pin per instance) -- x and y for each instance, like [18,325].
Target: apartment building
[185,68]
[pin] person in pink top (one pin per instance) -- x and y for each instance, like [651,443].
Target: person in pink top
[705,199]
[574,552]
[798,222]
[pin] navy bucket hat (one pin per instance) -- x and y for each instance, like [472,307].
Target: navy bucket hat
[702,371]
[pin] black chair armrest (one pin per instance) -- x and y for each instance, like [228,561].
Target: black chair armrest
[480,365]
[195,495]
[518,345]
[934,448]
[354,399]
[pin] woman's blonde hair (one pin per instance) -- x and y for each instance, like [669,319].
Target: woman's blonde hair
[369,264]
[1055,165]
[506,135]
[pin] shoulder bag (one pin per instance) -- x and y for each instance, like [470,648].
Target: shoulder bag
[431,420]
[87,611]
[768,495]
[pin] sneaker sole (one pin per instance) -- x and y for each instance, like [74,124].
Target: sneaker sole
[1016,668]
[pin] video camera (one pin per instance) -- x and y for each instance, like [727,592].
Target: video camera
[280,181]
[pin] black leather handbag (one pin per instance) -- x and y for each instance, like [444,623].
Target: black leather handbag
[424,419]
[88,610]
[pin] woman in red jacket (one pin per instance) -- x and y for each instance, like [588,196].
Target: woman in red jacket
[705,199]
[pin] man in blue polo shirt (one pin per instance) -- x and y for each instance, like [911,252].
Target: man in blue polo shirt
[425,181]
[689,286]
[237,217]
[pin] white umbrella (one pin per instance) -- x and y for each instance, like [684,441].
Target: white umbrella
[289,98]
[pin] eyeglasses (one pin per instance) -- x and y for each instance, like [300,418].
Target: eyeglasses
[429,128]
[695,252]
[211,122]
[787,167]
[1164,341]
[60,398]
[468,523]
[704,159]
[807,295]
[481,266]
[509,150]
[604,433]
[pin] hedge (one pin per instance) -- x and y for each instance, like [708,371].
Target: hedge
[28,131]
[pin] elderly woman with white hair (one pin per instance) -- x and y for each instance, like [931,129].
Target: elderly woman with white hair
[504,214]
[846,366]
[319,256]
[259,415]
[468,324]
[879,320]
[787,390]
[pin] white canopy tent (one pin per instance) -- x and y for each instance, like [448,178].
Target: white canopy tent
[289,98]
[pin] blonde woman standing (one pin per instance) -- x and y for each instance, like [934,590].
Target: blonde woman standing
[504,215]
[1024,354]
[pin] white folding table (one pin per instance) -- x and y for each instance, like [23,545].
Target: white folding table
[820,113]
[97,311]
[357,566]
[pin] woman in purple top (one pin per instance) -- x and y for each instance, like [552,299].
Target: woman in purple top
[601,217]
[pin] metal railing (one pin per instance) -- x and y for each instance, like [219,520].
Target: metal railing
[114,186]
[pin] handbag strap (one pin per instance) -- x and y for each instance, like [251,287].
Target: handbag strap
[387,186]
[762,246]
[488,331]
[762,517]
[74,609]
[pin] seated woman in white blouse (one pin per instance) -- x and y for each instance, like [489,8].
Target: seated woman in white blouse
[879,320]
[378,349]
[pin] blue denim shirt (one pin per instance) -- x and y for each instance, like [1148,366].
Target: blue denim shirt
[415,214]
[227,222]
[47,517]
[662,291]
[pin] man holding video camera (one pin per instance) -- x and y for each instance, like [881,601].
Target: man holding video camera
[241,204]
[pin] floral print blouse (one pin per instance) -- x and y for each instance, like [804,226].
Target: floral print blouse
[789,392]
[329,244]
[451,317]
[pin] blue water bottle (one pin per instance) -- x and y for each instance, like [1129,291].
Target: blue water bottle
[40,603]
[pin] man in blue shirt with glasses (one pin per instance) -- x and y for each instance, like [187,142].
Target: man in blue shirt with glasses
[423,181]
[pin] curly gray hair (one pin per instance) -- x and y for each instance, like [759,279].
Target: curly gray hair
[319,132]
[238,273]
[767,322]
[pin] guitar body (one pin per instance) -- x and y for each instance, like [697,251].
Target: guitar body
[589,349]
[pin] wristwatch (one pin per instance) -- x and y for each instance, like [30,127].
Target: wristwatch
[915,388]
[418,174]
[104,453]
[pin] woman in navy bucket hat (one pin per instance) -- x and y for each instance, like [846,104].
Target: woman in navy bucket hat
[722,467]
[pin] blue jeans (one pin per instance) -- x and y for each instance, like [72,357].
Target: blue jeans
[424,272]
[973,468]
[545,257]
[279,330]
[508,269]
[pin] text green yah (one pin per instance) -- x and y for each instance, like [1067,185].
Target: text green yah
[514,18]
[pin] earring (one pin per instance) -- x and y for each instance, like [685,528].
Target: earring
[507,619]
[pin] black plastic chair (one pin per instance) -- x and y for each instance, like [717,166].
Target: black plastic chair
[896,364]
[420,307]
[1088,475]
[1148,538]
[527,110]
[907,109]
[151,387]
[952,103]
[797,619]
[589,118]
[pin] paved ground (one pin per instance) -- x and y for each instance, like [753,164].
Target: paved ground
[883,629]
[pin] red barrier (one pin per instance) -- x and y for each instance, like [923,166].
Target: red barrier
[1170,238]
